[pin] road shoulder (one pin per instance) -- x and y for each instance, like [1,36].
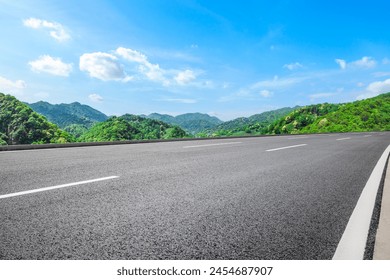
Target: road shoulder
[382,242]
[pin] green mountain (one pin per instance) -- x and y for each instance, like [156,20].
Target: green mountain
[19,124]
[74,118]
[131,127]
[162,117]
[372,114]
[191,122]
[256,124]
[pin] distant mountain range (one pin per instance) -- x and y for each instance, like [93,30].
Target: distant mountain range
[253,124]
[43,122]
[191,122]
[74,118]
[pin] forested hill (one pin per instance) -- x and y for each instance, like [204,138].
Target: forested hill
[372,114]
[191,122]
[19,124]
[74,118]
[255,124]
[131,127]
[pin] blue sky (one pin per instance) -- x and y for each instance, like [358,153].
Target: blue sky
[224,58]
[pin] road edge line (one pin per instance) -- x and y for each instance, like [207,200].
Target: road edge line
[353,241]
[382,238]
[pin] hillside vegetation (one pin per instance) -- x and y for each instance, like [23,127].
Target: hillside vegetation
[131,127]
[365,115]
[74,118]
[253,125]
[19,124]
[372,114]
[193,123]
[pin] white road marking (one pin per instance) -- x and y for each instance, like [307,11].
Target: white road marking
[346,138]
[298,137]
[56,187]
[367,135]
[353,241]
[288,147]
[208,145]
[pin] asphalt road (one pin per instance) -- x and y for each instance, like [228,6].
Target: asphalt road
[212,199]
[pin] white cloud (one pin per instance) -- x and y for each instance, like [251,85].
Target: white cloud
[266,93]
[264,88]
[56,30]
[386,61]
[9,86]
[185,77]
[51,65]
[375,88]
[103,66]
[132,55]
[152,71]
[342,63]
[364,62]
[95,97]
[379,87]
[293,66]
[381,74]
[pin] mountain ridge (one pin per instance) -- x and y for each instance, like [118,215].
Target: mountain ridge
[191,122]
[75,118]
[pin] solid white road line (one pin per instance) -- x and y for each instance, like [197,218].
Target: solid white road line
[56,187]
[353,241]
[346,138]
[208,145]
[288,147]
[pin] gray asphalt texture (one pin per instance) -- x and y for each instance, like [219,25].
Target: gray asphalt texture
[233,201]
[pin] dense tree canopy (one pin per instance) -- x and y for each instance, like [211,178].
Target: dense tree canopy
[371,114]
[253,125]
[191,122]
[298,119]
[131,127]
[19,124]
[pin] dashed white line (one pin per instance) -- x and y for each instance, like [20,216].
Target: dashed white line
[56,187]
[346,138]
[298,137]
[208,145]
[367,135]
[287,147]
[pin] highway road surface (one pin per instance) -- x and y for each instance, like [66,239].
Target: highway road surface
[282,197]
